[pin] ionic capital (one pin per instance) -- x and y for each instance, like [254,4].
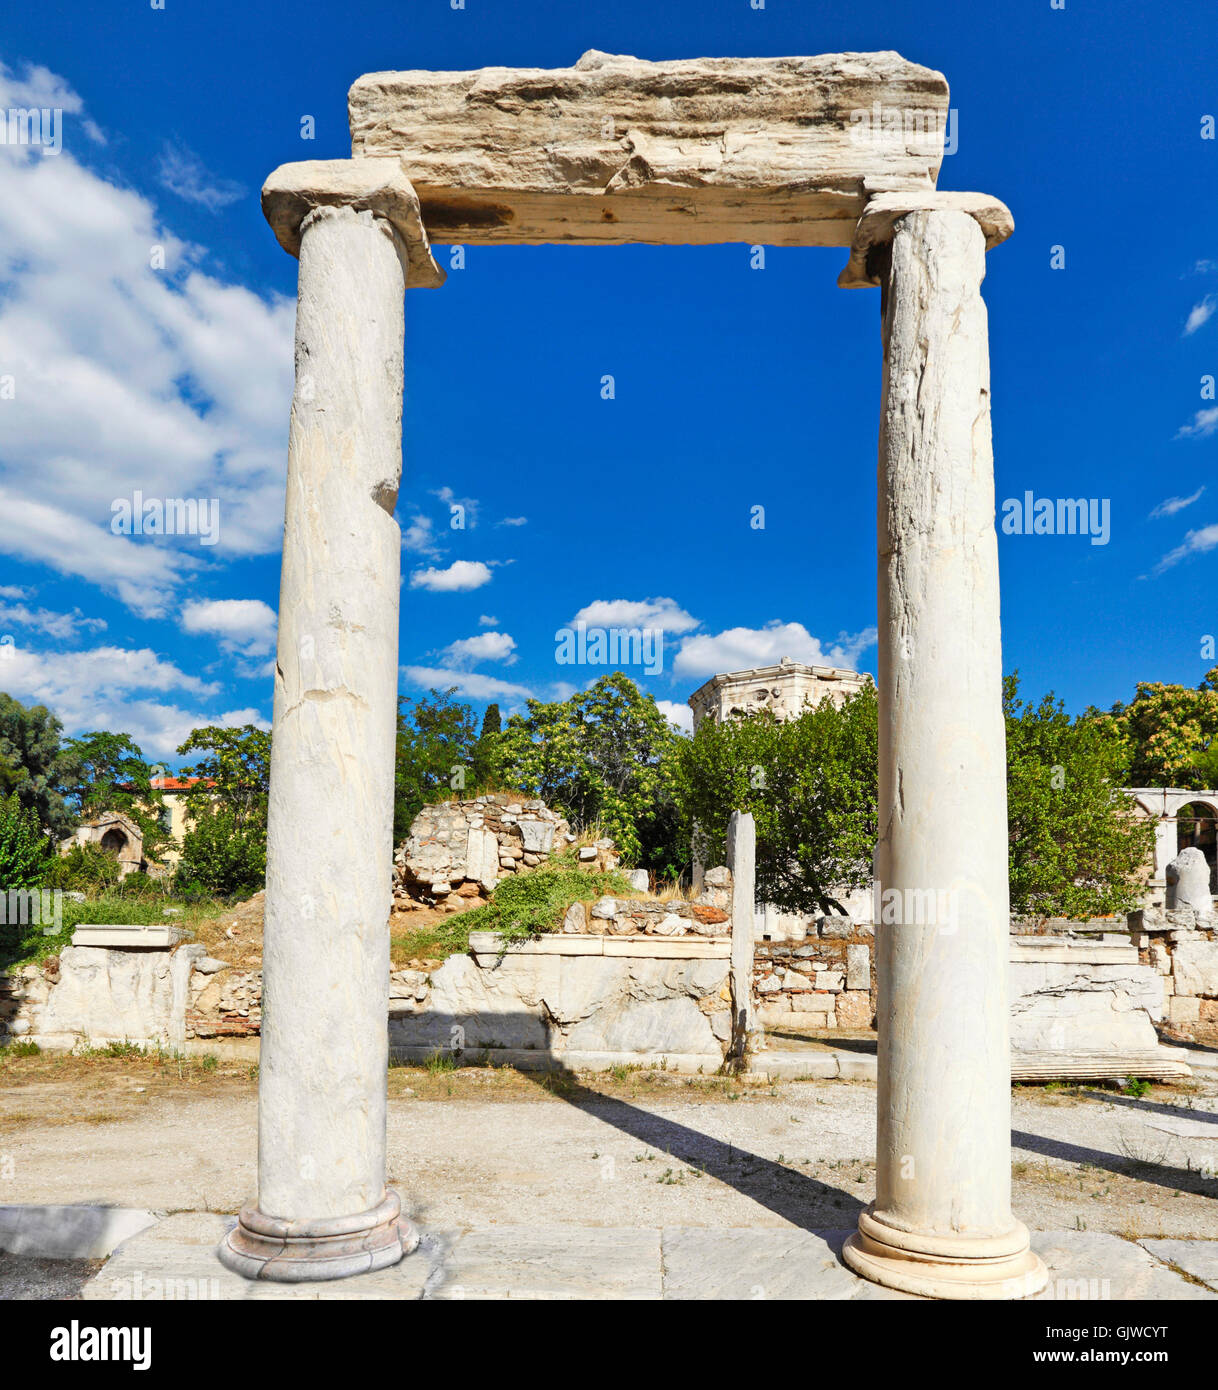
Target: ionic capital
[378,186]
[875,226]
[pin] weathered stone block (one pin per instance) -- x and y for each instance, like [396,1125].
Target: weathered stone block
[1195,967]
[618,149]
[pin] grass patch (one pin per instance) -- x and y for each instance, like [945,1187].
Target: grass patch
[28,943]
[529,904]
[522,906]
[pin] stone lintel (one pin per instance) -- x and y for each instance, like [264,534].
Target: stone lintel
[123,936]
[883,209]
[366,185]
[617,149]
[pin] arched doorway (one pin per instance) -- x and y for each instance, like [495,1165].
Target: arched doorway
[114,842]
[1197,827]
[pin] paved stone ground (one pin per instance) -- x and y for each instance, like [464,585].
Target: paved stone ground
[176,1260]
[667,1179]
[799,1154]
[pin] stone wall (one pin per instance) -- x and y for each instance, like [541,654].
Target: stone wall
[1084,1007]
[825,980]
[1181,950]
[89,993]
[574,1000]
[1184,954]
[461,849]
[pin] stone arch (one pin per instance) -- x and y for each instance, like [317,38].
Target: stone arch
[114,842]
[1197,827]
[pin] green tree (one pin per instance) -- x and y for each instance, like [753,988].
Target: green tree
[1077,846]
[1169,733]
[34,765]
[222,853]
[25,850]
[606,756]
[486,750]
[435,754]
[810,784]
[108,773]
[224,850]
[235,771]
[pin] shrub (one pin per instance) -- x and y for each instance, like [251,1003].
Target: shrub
[86,869]
[25,852]
[220,855]
[531,903]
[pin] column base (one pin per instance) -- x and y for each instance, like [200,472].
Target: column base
[995,1267]
[335,1247]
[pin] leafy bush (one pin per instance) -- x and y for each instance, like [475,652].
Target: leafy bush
[25,852]
[528,904]
[85,869]
[222,855]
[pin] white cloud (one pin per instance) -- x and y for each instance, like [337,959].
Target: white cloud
[60,626]
[1194,543]
[172,381]
[13,591]
[142,575]
[1200,314]
[459,577]
[680,715]
[487,621]
[1205,422]
[420,538]
[485,646]
[182,172]
[1171,505]
[740,648]
[514,521]
[112,688]
[662,613]
[245,625]
[471,683]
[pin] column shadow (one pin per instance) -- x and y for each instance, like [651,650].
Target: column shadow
[803,1201]
[1141,1170]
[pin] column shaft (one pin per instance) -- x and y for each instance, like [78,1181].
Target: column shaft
[941,1223]
[322,1083]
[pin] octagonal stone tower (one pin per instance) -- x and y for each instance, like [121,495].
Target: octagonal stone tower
[784,689]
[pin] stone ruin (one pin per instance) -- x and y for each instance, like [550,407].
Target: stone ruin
[757,151]
[459,850]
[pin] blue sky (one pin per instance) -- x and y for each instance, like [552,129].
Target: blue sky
[734,387]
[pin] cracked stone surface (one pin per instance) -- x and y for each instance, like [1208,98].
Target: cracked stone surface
[617,149]
[176,1258]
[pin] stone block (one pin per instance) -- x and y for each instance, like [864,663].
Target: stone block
[1195,967]
[853,1009]
[858,967]
[117,936]
[1183,1009]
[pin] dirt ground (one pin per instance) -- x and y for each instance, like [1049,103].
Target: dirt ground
[480,1146]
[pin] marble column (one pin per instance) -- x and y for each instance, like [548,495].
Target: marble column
[323,1210]
[941,1224]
